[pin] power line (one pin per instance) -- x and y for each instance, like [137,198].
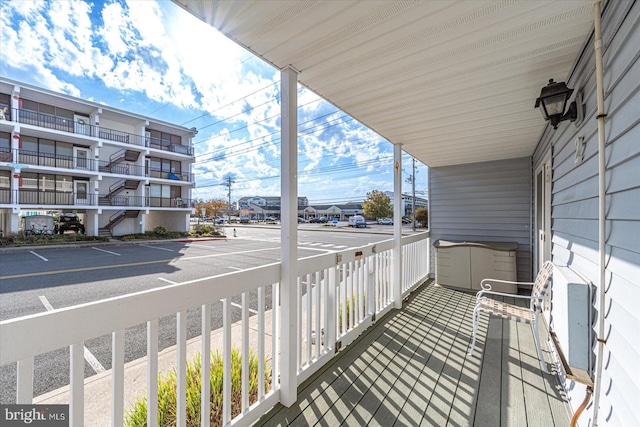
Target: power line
[208,113]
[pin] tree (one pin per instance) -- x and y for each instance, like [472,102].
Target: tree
[422,216]
[211,207]
[378,205]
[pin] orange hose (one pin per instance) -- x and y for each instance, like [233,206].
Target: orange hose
[574,420]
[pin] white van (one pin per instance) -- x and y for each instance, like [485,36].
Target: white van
[357,221]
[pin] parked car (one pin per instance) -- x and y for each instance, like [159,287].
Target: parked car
[321,220]
[69,221]
[270,218]
[406,220]
[385,221]
[357,221]
[300,219]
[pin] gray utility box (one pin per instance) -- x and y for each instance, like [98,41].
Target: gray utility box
[464,265]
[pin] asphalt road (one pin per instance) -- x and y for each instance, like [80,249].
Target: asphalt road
[33,281]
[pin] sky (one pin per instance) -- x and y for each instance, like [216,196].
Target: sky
[154,59]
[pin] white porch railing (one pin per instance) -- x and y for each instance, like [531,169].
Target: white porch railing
[339,296]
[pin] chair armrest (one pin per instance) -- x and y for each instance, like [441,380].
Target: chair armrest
[485,291]
[487,286]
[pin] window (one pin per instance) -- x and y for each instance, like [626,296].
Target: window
[5,106]
[5,179]
[163,140]
[5,141]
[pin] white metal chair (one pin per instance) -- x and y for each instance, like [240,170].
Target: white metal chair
[513,312]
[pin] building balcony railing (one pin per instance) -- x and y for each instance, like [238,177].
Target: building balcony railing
[76,163]
[176,176]
[143,201]
[159,144]
[5,196]
[69,125]
[5,154]
[26,196]
[335,298]
[121,168]
[55,160]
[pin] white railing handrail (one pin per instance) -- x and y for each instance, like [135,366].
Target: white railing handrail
[356,281]
[43,329]
[40,333]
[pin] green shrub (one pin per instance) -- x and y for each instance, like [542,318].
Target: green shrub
[160,230]
[153,236]
[167,384]
[20,239]
[204,231]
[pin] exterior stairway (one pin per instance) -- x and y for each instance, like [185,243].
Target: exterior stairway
[115,219]
[118,157]
[123,184]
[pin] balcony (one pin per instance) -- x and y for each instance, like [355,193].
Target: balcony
[69,125]
[338,296]
[26,196]
[143,202]
[159,144]
[177,176]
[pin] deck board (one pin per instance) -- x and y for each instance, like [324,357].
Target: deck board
[412,368]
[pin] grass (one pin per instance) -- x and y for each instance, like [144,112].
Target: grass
[137,415]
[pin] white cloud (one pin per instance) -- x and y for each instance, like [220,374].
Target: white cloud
[155,50]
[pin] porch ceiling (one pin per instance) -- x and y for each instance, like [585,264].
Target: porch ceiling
[452,81]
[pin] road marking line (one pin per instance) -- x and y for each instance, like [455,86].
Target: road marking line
[104,250]
[240,306]
[39,256]
[201,246]
[89,357]
[236,268]
[135,264]
[167,280]
[341,246]
[46,303]
[155,247]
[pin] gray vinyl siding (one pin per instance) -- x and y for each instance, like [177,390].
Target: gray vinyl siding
[575,206]
[488,201]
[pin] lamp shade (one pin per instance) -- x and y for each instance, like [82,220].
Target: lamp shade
[553,100]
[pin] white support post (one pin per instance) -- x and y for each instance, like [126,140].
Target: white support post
[181,369]
[76,379]
[331,323]
[205,360]
[152,372]
[117,378]
[397,226]
[289,233]
[24,392]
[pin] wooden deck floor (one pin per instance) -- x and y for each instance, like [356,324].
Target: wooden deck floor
[411,369]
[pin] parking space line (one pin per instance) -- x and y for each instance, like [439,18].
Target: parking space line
[239,306]
[39,256]
[131,264]
[104,250]
[155,247]
[167,280]
[236,268]
[88,356]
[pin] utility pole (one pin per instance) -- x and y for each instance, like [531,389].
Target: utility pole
[228,184]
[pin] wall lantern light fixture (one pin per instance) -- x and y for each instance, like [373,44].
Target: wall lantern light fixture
[553,101]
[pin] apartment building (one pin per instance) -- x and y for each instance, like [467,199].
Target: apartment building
[120,172]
